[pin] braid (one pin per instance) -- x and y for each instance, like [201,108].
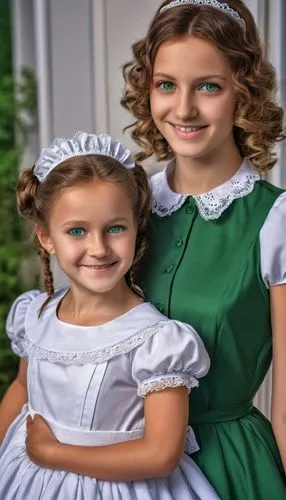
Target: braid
[48,276]
[143,207]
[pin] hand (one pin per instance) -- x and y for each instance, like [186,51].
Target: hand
[40,441]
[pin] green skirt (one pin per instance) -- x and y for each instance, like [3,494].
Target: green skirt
[240,458]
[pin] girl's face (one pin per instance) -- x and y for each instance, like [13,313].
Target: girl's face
[192,98]
[93,234]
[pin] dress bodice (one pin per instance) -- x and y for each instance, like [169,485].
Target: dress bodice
[207,273]
[94,378]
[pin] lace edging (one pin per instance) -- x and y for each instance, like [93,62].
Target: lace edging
[162,211]
[94,357]
[210,205]
[166,382]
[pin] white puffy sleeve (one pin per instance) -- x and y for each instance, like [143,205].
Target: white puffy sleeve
[15,324]
[174,356]
[273,244]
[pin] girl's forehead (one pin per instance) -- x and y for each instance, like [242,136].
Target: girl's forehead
[91,201]
[92,195]
[190,54]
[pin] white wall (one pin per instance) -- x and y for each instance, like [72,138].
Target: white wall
[71,50]
[120,24]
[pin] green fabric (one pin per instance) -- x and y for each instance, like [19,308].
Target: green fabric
[207,274]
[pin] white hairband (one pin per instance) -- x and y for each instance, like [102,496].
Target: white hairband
[224,7]
[81,144]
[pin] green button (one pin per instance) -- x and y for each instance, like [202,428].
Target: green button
[169,269]
[190,210]
[179,243]
[160,307]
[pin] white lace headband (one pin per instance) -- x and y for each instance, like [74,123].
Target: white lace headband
[81,144]
[224,7]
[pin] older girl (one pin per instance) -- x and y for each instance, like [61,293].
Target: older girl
[201,92]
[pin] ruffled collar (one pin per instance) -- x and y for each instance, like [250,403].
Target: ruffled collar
[210,205]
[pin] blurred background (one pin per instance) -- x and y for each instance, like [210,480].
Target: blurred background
[60,72]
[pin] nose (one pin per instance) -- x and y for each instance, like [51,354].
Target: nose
[186,106]
[97,246]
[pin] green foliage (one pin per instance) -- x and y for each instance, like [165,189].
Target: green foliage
[5,33]
[12,234]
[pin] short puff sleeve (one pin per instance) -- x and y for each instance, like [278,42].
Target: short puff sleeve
[15,324]
[174,356]
[273,244]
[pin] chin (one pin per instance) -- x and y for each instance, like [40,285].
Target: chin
[190,153]
[99,289]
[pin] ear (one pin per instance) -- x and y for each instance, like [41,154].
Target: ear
[45,240]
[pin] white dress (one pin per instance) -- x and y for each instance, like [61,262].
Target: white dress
[89,384]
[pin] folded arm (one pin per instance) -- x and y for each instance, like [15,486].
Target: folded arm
[157,454]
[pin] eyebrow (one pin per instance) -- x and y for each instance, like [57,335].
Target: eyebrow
[84,222]
[74,223]
[117,220]
[198,79]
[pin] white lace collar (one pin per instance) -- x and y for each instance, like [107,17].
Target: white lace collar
[210,205]
[49,338]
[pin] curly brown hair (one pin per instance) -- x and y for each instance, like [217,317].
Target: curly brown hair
[258,121]
[35,200]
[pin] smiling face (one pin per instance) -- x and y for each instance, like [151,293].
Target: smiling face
[192,98]
[93,234]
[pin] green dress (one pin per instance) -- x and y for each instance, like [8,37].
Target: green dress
[203,267]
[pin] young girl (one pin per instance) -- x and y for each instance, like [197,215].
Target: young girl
[201,91]
[101,369]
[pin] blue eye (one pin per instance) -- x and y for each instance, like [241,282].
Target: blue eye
[167,86]
[115,229]
[76,232]
[210,88]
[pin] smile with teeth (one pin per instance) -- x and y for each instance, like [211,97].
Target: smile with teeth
[188,129]
[99,266]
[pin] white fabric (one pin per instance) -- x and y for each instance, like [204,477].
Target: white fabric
[273,244]
[82,144]
[211,205]
[97,396]
[15,322]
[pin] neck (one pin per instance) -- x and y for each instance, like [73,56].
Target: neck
[195,176]
[86,308]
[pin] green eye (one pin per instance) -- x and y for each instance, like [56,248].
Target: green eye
[76,232]
[115,229]
[209,88]
[167,86]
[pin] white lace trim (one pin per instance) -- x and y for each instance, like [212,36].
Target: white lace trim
[211,205]
[165,382]
[94,357]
